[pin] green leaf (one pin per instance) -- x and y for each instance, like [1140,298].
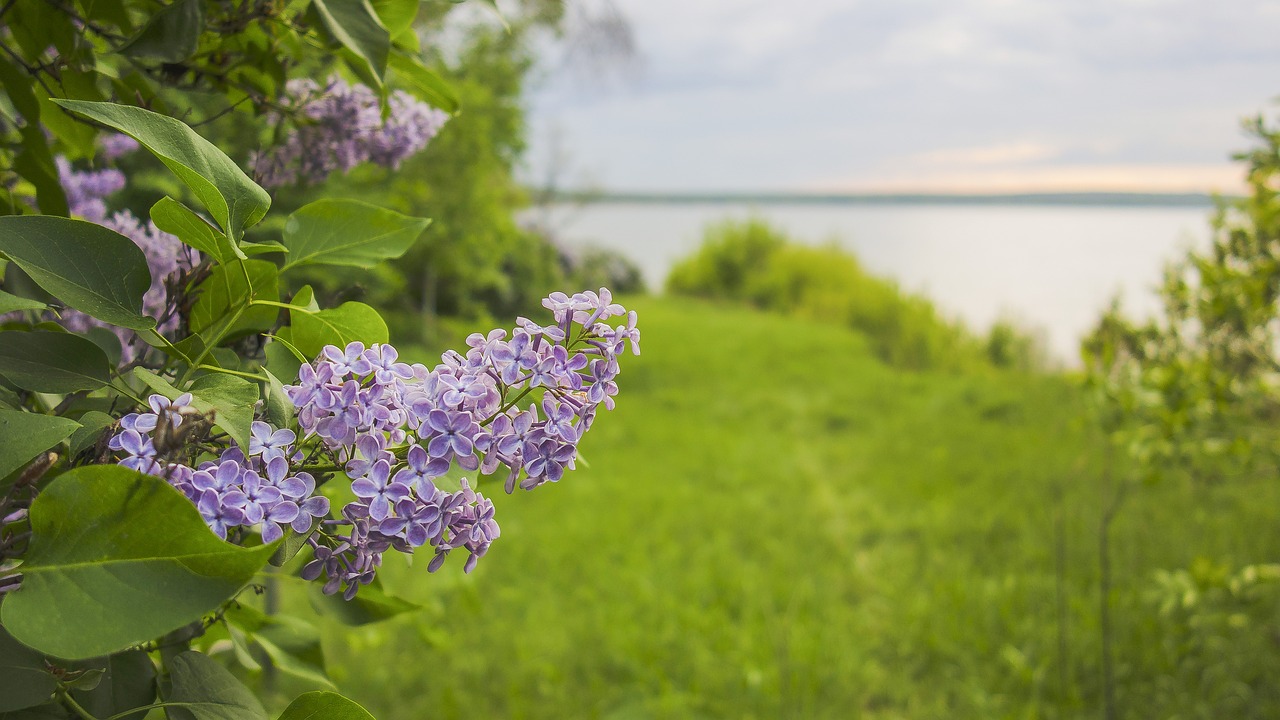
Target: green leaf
[177,219]
[372,604]
[92,424]
[35,162]
[291,544]
[224,292]
[49,711]
[234,200]
[355,24]
[117,558]
[348,232]
[281,362]
[157,383]
[208,691]
[10,303]
[228,399]
[231,399]
[262,248]
[396,15]
[290,664]
[279,407]
[25,435]
[129,682]
[95,270]
[24,679]
[424,83]
[171,35]
[107,341]
[349,322]
[52,362]
[79,140]
[326,705]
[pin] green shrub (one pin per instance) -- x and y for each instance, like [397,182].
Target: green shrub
[750,261]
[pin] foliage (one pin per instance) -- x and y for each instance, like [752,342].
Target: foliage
[754,263]
[1192,395]
[176,403]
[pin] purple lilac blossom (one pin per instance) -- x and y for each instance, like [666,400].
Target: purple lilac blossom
[398,428]
[254,490]
[394,430]
[340,126]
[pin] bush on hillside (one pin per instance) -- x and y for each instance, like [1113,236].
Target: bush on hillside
[750,261]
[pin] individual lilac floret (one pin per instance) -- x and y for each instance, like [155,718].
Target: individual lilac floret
[379,491]
[270,443]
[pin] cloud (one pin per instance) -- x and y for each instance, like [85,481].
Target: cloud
[755,94]
[999,154]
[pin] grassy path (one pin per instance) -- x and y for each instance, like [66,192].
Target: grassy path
[774,524]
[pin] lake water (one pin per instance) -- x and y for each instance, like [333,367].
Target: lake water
[1054,268]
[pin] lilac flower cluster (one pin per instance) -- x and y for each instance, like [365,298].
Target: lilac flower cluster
[397,428]
[259,490]
[393,430]
[341,126]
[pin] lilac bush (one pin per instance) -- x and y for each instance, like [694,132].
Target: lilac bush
[517,403]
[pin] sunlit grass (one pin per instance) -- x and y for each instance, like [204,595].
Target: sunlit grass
[775,524]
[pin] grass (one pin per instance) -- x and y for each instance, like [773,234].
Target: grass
[774,524]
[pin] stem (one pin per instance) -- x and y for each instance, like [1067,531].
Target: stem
[214,368]
[70,702]
[209,346]
[128,393]
[286,306]
[508,406]
[170,347]
[153,706]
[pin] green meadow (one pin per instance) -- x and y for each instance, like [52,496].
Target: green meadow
[776,524]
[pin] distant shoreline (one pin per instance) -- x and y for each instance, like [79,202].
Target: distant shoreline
[1084,199]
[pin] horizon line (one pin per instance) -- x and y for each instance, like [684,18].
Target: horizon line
[1069,197]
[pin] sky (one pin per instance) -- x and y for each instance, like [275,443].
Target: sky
[913,96]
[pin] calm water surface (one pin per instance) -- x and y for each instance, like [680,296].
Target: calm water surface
[1051,268]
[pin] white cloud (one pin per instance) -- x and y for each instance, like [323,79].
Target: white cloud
[756,94]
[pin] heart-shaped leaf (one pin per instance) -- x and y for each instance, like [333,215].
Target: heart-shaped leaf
[327,705]
[24,679]
[95,270]
[24,435]
[171,35]
[204,690]
[234,200]
[355,24]
[350,321]
[348,232]
[10,303]
[117,558]
[179,220]
[52,362]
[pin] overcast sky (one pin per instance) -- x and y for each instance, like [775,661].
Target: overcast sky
[950,95]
